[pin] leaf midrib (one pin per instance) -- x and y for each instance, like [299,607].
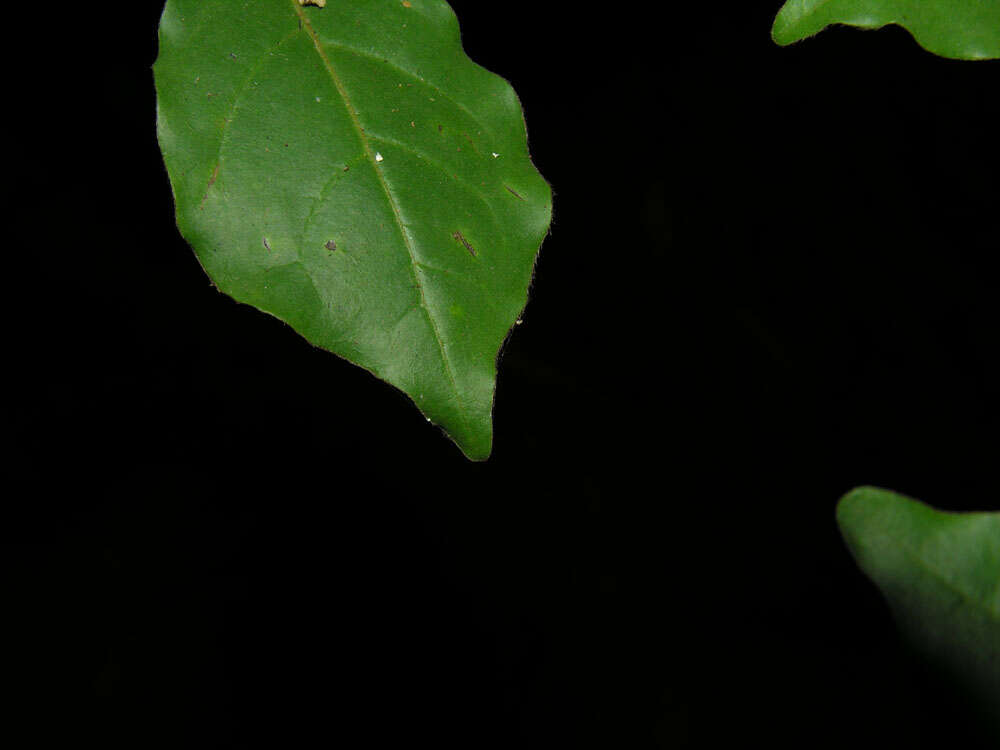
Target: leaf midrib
[971,601]
[366,145]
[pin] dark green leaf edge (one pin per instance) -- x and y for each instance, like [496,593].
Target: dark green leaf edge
[960,29]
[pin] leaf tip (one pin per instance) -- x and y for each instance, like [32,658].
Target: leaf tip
[477,450]
[783,31]
[859,503]
[779,33]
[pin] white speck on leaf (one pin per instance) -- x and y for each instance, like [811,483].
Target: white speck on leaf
[378,156]
[317,98]
[495,155]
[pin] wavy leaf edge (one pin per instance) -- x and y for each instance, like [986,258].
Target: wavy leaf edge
[941,32]
[500,118]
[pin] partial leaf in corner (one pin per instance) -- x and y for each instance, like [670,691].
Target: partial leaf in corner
[940,573]
[350,171]
[962,29]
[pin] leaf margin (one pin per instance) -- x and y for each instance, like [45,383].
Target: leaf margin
[797,20]
[474,450]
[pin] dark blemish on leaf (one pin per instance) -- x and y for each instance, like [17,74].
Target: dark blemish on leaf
[232,55]
[267,245]
[468,246]
[513,192]
[440,128]
[347,167]
[211,181]
[330,245]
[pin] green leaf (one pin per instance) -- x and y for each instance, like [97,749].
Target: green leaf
[350,171]
[940,573]
[964,29]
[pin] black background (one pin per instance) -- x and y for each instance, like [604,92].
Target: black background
[768,280]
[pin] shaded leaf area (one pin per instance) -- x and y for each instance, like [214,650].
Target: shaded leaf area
[941,575]
[963,29]
[350,171]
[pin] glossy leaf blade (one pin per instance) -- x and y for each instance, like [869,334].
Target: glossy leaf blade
[349,170]
[940,573]
[963,29]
